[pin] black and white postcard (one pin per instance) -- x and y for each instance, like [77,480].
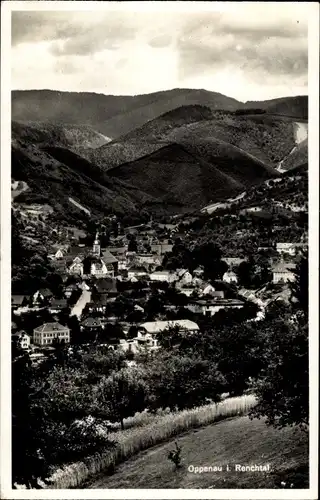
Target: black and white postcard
[159,250]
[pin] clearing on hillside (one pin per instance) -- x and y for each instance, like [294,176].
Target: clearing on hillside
[226,443]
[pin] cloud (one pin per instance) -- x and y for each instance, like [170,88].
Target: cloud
[243,49]
[262,46]
[71,32]
[160,41]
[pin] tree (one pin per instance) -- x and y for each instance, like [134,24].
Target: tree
[132,245]
[209,256]
[244,273]
[154,306]
[182,381]
[121,395]
[282,387]
[48,404]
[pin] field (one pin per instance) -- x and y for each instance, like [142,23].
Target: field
[229,442]
[145,431]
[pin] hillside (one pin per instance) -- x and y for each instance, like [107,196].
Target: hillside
[110,115]
[185,158]
[298,156]
[178,178]
[114,116]
[226,443]
[260,139]
[55,174]
[55,134]
[147,138]
[296,106]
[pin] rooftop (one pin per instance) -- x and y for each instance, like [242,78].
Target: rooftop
[160,326]
[49,327]
[59,303]
[77,251]
[218,301]
[162,273]
[17,299]
[230,273]
[106,285]
[284,267]
[91,322]
[108,258]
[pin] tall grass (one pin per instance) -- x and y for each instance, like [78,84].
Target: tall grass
[156,430]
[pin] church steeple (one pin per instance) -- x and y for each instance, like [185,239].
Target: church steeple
[96,246]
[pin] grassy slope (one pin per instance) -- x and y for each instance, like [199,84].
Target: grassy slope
[229,442]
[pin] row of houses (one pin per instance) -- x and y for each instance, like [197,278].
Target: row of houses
[46,334]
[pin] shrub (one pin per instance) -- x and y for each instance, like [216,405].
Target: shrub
[175,455]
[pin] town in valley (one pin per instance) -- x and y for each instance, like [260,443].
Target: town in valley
[160,249]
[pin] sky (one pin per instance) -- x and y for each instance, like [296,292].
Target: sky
[247,51]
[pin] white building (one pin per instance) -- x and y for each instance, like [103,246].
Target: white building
[283,273]
[99,269]
[290,248]
[230,277]
[23,339]
[212,306]
[76,268]
[154,327]
[188,291]
[184,277]
[163,276]
[137,272]
[145,258]
[47,333]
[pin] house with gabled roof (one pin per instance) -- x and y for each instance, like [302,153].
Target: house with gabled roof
[230,277]
[283,272]
[22,339]
[155,327]
[110,261]
[136,271]
[167,276]
[107,286]
[43,294]
[47,333]
[19,300]
[76,267]
[92,324]
[98,268]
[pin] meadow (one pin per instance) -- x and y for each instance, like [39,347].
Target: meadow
[156,429]
[222,445]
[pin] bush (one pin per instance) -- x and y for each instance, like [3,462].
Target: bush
[175,455]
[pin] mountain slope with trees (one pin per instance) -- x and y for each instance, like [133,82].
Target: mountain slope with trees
[114,116]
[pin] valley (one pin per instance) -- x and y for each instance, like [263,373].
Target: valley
[159,262]
[209,154]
